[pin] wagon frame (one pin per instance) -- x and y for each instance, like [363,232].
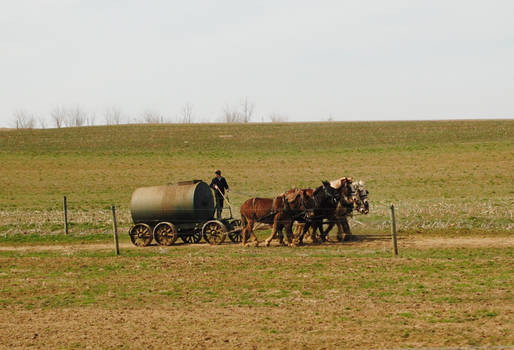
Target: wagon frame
[189,228]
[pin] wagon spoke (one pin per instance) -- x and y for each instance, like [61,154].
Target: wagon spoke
[165,233]
[140,235]
[214,232]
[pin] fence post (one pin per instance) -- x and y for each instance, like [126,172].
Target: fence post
[115,229]
[65,216]
[393,231]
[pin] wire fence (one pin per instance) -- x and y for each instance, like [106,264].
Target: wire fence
[412,216]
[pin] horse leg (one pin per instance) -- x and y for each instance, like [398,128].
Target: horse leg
[289,233]
[271,237]
[247,231]
[322,237]
[319,239]
[255,237]
[346,228]
[304,229]
[339,230]
[331,224]
[273,232]
[298,229]
[243,236]
[322,234]
[280,236]
[315,226]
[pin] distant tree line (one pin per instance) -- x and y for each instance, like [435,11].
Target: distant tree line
[76,116]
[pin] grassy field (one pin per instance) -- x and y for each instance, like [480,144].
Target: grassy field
[338,296]
[451,181]
[442,176]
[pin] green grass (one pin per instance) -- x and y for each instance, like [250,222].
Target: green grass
[441,175]
[445,178]
[54,238]
[269,277]
[425,297]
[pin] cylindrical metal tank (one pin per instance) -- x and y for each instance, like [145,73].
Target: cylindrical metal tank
[185,202]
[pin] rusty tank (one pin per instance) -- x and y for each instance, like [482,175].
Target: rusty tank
[184,202]
[184,210]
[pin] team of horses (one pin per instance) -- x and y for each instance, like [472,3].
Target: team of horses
[329,204]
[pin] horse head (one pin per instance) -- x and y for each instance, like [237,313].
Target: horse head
[360,197]
[347,194]
[308,203]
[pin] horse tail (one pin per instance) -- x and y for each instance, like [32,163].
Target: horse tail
[244,221]
[247,211]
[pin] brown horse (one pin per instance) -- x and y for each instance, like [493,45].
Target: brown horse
[278,212]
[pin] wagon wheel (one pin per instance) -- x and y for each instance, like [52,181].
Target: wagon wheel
[194,237]
[235,236]
[165,233]
[214,232]
[140,235]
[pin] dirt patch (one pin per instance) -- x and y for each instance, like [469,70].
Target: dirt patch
[64,247]
[331,296]
[463,242]
[372,242]
[164,327]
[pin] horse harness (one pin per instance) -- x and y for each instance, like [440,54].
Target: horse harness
[286,207]
[271,213]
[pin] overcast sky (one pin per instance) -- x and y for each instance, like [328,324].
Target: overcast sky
[305,60]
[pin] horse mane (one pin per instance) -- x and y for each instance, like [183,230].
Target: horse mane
[338,183]
[320,188]
[292,194]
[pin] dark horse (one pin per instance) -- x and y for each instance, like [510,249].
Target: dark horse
[326,199]
[343,211]
[279,212]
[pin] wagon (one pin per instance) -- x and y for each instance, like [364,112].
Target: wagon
[184,210]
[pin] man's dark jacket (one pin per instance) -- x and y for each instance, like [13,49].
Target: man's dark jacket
[222,185]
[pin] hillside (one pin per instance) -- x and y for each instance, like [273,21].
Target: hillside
[441,175]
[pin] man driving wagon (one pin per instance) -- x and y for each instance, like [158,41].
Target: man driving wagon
[219,185]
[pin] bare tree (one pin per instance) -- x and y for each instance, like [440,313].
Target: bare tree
[42,122]
[246,110]
[152,117]
[186,114]
[277,118]
[76,116]
[58,115]
[23,120]
[91,118]
[235,115]
[231,115]
[112,115]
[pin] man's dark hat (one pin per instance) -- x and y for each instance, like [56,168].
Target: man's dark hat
[218,172]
